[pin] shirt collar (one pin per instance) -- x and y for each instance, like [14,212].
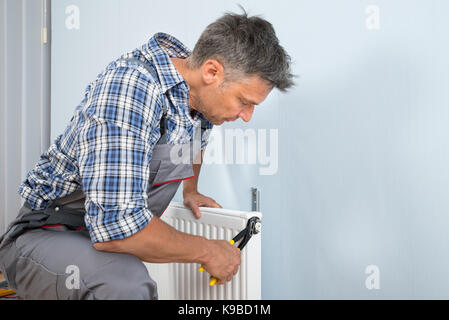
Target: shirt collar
[160,48]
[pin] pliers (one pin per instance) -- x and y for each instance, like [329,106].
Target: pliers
[253,227]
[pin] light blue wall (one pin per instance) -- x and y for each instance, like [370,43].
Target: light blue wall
[24,97]
[363,138]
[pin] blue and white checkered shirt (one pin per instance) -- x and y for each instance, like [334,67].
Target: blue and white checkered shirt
[107,147]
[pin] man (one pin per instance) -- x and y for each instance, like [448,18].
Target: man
[94,199]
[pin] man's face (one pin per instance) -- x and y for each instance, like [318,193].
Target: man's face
[221,102]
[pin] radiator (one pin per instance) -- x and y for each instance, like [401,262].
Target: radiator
[181,281]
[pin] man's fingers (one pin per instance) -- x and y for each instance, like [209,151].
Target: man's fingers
[213,204]
[194,207]
[195,203]
[217,205]
[220,282]
[196,211]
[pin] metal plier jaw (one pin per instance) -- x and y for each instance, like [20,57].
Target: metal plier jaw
[253,227]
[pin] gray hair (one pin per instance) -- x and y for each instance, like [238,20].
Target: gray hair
[245,46]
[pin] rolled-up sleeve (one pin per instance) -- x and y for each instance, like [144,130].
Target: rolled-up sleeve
[114,171]
[116,138]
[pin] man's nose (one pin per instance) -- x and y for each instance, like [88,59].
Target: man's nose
[247,114]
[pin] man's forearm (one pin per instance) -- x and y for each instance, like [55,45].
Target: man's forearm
[191,185]
[158,242]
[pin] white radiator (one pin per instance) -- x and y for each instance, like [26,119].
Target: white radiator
[180,281]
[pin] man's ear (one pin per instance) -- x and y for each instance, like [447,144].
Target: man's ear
[212,72]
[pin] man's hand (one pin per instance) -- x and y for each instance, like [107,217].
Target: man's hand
[194,200]
[223,262]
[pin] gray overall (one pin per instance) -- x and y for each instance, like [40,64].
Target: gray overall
[48,254]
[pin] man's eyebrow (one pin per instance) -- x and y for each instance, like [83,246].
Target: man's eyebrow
[248,100]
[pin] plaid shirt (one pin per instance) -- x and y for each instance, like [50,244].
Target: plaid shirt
[107,147]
